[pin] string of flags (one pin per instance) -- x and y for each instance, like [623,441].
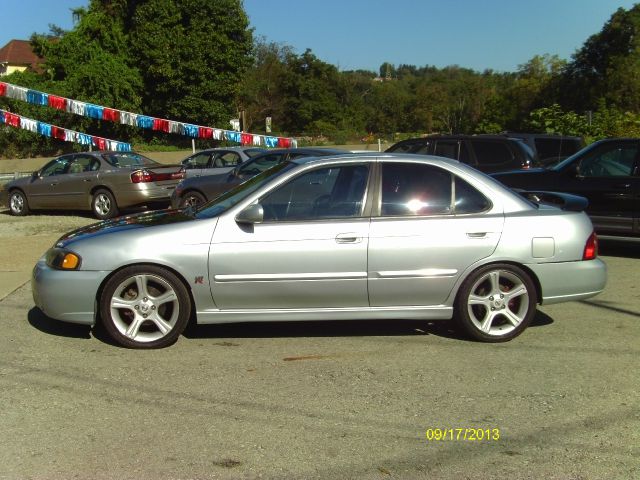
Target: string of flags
[53,131]
[139,120]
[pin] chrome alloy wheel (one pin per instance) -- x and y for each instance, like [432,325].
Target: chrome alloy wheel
[144,308]
[498,302]
[102,204]
[17,203]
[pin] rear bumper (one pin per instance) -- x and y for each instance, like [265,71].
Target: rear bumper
[142,194]
[567,281]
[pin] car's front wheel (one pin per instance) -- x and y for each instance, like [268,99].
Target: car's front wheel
[18,204]
[192,199]
[104,204]
[145,306]
[496,303]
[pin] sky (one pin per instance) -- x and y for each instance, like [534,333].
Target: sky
[362,34]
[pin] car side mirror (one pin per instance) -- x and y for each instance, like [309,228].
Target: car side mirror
[254,213]
[35,175]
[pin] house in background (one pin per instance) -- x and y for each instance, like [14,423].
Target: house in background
[17,56]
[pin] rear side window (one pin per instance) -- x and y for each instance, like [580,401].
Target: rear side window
[468,199]
[410,147]
[415,189]
[199,160]
[490,152]
[455,149]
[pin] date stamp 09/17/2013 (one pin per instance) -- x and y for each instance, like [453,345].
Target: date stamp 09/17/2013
[462,434]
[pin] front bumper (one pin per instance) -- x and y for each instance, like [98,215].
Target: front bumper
[567,281]
[67,295]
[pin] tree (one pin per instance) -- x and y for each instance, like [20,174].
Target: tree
[607,67]
[192,55]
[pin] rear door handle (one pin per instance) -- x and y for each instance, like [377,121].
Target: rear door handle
[476,234]
[347,238]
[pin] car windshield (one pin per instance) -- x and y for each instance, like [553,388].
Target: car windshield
[128,159]
[232,197]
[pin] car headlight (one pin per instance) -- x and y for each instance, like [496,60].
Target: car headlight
[62,259]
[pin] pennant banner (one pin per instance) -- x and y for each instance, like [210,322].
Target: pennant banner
[141,121]
[18,121]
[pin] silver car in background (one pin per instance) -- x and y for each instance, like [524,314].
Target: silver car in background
[217,160]
[335,238]
[104,182]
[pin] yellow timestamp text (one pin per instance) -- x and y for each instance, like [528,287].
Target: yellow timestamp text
[463,434]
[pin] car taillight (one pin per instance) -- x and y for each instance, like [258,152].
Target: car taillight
[144,176]
[591,247]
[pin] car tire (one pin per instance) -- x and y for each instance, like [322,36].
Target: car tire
[104,204]
[145,306]
[496,303]
[18,204]
[191,199]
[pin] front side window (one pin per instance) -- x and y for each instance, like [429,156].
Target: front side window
[610,161]
[55,167]
[415,189]
[334,192]
[228,199]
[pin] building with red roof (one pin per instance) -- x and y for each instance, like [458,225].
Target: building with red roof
[18,56]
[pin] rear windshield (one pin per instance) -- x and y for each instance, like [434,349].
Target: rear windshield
[127,159]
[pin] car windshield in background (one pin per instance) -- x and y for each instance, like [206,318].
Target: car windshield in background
[230,198]
[128,160]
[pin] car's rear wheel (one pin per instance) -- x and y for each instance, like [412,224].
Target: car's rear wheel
[192,199]
[104,205]
[18,204]
[496,303]
[145,306]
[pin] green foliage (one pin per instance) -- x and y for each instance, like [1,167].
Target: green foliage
[192,54]
[603,123]
[606,68]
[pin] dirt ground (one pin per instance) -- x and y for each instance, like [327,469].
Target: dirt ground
[319,400]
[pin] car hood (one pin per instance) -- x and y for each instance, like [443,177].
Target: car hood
[125,223]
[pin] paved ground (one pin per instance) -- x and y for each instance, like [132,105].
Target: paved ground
[323,399]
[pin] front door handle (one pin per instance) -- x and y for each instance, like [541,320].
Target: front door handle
[476,234]
[348,238]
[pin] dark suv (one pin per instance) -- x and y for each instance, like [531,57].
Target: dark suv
[549,148]
[487,153]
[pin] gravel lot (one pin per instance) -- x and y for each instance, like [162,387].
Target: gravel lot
[321,399]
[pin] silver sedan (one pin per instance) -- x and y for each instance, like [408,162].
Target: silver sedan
[334,238]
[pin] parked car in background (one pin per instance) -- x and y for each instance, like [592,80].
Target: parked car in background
[607,173]
[104,182]
[346,237]
[550,149]
[487,153]
[198,190]
[218,160]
